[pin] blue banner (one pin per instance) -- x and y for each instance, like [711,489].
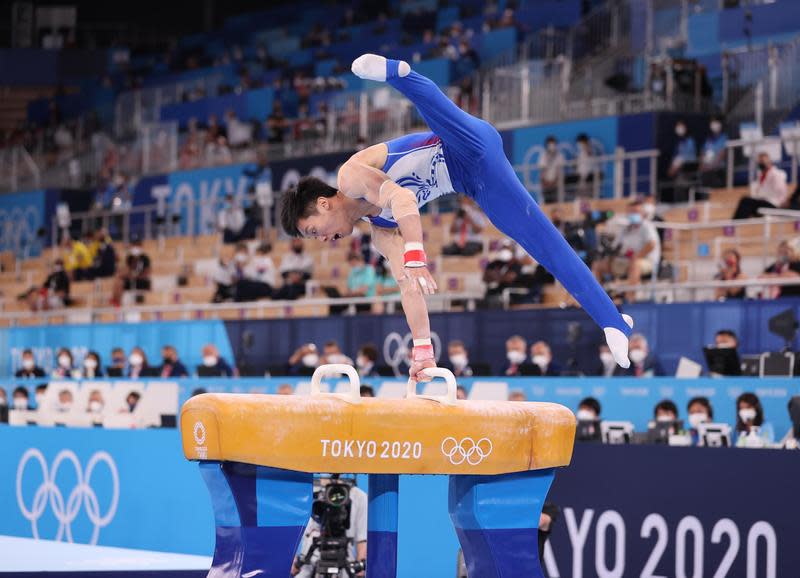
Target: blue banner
[21,216]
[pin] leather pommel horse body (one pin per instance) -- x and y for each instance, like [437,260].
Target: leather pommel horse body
[258,454]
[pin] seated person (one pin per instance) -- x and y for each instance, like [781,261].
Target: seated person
[135,276]
[77,259]
[304,360]
[606,365]
[20,399]
[768,191]
[517,395]
[361,280]
[54,292]
[171,366]
[213,365]
[786,266]
[699,411]
[504,272]
[64,403]
[465,231]
[92,367]
[118,363]
[96,403]
[65,365]
[131,401]
[712,162]
[296,268]
[258,276]
[138,365]
[458,358]
[516,353]
[751,427]
[332,353]
[588,409]
[643,362]
[542,360]
[366,359]
[104,263]
[730,270]
[29,367]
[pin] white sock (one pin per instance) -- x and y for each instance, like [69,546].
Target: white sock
[373,67]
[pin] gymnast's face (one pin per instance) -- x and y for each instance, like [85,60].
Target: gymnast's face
[328,222]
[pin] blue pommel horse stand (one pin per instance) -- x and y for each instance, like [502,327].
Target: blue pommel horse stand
[258,455]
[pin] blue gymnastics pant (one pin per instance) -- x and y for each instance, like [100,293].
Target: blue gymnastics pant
[479,168]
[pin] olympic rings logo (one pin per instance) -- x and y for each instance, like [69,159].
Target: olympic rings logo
[397,348]
[466,450]
[82,493]
[199,433]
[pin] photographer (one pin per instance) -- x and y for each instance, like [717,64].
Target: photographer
[336,535]
[466,229]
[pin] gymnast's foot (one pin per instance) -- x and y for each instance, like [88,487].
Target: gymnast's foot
[618,343]
[375,67]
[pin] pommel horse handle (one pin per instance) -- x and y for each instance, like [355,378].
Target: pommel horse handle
[337,369]
[447,399]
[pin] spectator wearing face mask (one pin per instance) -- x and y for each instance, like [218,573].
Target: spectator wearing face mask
[39,393]
[332,353]
[643,362]
[712,161]
[135,276]
[64,403]
[213,365]
[502,272]
[589,409]
[683,167]
[752,429]
[542,360]
[54,292]
[699,411]
[20,399]
[29,367]
[768,191]
[137,363]
[516,348]
[458,358]
[365,361]
[606,365]
[296,268]
[730,269]
[65,364]
[726,339]
[461,392]
[665,410]
[786,266]
[95,404]
[91,366]
[304,360]
[118,363]
[171,366]
[131,401]
[551,169]
[465,231]
[258,276]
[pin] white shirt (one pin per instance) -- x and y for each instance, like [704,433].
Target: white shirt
[773,189]
[550,164]
[293,262]
[239,132]
[232,218]
[635,238]
[261,268]
[584,164]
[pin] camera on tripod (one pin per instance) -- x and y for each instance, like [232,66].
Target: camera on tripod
[331,510]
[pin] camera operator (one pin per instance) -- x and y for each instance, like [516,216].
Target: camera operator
[466,229]
[336,535]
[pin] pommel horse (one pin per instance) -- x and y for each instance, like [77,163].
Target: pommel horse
[258,454]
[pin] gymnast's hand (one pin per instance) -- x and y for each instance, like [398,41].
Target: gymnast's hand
[618,343]
[420,279]
[417,369]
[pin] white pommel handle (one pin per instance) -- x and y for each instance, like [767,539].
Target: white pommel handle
[335,370]
[448,399]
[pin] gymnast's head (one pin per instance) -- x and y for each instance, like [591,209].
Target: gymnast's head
[314,209]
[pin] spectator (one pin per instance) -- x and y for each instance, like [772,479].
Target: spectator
[39,393]
[304,360]
[643,363]
[224,277]
[104,263]
[542,359]
[607,364]
[726,339]
[516,348]
[65,364]
[65,401]
[213,365]
[277,124]
[332,353]
[137,363]
[730,270]
[171,366]
[285,389]
[639,250]
[20,399]
[458,357]
[584,167]
[683,166]
[786,266]
[751,427]
[768,191]
[96,402]
[29,367]
[517,395]
[665,410]
[461,392]
[296,268]
[699,411]
[91,366]
[118,363]
[502,273]
[367,391]
[589,409]
[712,163]
[258,277]
[217,152]
[385,283]
[77,259]
[465,232]
[231,219]
[551,167]
[131,401]
[366,359]
[135,276]
[361,280]
[240,133]
[53,294]
[201,391]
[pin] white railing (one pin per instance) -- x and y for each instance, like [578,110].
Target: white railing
[691,288]
[749,150]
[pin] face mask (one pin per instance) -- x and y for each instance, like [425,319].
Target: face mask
[664,418]
[362,361]
[135,359]
[136,251]
[95,406]
[209,360]
[637,355]
[762,167]
[310,359]
[747,414]
[27,363]
[505,255]
[696,418]
[64,407]
[39,399]
[90,363]
[458,360]
[3,402]
[241,257]
[551,147]
[716,126]
[540,360]
[585,415]
[64,361]
[337,358]
[680,130]
[515,357]
[20,403]
[726,345]
[606,358]
[635,219]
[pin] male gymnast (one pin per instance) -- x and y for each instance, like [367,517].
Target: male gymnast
[387,183]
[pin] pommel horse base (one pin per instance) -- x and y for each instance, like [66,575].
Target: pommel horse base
[258,454]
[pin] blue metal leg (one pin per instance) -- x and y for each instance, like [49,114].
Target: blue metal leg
[497,519]
[382,526]
[260,514]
